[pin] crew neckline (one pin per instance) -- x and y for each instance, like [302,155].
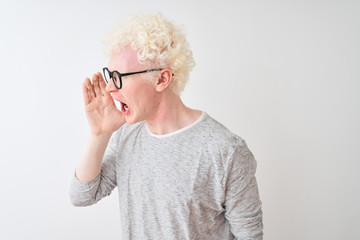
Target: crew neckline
[202,116]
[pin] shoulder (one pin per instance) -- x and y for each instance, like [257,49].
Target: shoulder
[216,133]
[231,148]
[235,153]
[127,130]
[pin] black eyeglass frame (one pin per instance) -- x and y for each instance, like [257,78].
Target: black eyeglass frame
[125,74]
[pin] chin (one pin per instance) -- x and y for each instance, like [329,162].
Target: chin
[131,120]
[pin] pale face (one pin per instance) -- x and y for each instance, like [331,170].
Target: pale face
[138,97]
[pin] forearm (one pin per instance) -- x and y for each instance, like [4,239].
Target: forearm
[89,166]
[244,213]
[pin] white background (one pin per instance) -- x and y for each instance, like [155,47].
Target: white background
[284,75]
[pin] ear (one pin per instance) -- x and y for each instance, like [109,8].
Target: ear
[164,80]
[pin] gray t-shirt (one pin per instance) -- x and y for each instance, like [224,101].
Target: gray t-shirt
[195,183]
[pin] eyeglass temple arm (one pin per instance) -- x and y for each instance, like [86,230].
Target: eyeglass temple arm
[131,73]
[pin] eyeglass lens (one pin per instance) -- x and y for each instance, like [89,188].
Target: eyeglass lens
[115,77]
[117,80]
[107,75]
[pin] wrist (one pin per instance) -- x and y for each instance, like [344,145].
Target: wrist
[100,137]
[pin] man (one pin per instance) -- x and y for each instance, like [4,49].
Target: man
[180,174]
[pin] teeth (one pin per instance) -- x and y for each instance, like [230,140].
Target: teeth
[125,107]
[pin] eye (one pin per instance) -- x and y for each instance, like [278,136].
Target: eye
[116,79]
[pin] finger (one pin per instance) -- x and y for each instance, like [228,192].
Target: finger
[85,94]
[90,88]
[100,80]
[87,85]
[102,85]
[95,81]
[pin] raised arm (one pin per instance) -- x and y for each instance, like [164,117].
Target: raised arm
[103,118]
[95,172]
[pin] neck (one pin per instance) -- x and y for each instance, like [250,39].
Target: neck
[170,115]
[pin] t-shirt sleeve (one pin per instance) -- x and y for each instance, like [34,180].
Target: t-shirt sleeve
[88,193]
[242,202]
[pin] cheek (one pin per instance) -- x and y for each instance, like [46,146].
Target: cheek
[146,98]
[142,96]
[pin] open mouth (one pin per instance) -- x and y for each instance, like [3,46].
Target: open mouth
[124,107]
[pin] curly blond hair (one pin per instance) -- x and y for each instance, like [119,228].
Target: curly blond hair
[158,43]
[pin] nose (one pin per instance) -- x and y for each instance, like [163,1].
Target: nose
[110,87]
